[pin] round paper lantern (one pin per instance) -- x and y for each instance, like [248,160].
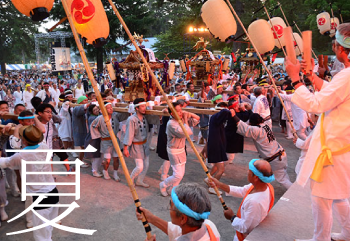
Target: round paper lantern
[298,44]
[171,70]
[261,35]
[278,24]
[334,26]
[36,9]
[219,19]
[90,20]
[324,22]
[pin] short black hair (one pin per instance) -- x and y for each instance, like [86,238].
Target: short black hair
[222,104]
[41,108]
[25,113]
[174,104]
[91,108]
[188,85]
[2,102]
[35,101]
[138,100]
[19,105]
[255,119]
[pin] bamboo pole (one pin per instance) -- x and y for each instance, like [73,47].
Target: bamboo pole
[106,118]
[7,133]
[155,80]
[288,25]
[264,65]
[274,31]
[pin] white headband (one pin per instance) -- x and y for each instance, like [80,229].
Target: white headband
[108,103]
[141,103]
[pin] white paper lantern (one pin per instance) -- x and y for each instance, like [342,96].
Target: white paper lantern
[219,19]
[324,22]
[261,34]
[298,43]
[278,25]
[334,26]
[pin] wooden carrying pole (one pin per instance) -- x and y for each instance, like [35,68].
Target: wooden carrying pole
[170,105]
[264,65]
[106,118]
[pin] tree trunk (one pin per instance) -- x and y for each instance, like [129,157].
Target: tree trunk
[3,68]
[99,60]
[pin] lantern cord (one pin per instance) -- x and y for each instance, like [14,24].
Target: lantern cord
[106,117]
[274,31]
[265,67]
[170,105]
[296,25]
[285,18]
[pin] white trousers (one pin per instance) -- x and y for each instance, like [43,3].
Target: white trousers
[282,177]
[302,133]
[289,129]
[96,164]
[323,217]
[141,169]
[44,234]
[28,202]
[178,174]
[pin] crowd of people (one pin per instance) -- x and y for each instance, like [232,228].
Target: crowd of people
[245,107]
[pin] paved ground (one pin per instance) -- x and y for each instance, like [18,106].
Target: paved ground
[107,206]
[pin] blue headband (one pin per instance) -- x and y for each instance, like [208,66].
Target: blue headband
[183,208]
[343,41]
[259,174]
[25,117]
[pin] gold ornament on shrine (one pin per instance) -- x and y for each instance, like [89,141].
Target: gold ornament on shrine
[219,19]
[36,9]
[90,20]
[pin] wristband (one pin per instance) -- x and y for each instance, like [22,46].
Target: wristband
[296,82]
[233,217]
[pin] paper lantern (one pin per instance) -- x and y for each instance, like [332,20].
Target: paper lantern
[183,66]
[324,23]
[261,35]
[90,20]
[219,19]
[111,71]
[298,44]
[279,25]
[36,9]
[334,26]
[307,46]
[171,70]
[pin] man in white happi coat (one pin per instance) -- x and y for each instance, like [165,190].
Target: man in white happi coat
[189,210]
[267,146]
[326,164]
[99,129]
[258,198]
[176,141]
[261,106]
[135,140]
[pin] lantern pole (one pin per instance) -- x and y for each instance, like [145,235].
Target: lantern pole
[106,118]
[170,105]
[315,56]
[285,18]
[274,30]
[265,67]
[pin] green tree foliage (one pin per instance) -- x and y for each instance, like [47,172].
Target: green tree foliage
[16,35]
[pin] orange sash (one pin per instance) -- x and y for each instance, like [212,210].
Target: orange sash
[241,236]
[211,233]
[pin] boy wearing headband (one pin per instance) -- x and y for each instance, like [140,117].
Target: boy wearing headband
[189,211]
[99,129]
[326,164]
[258,198]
